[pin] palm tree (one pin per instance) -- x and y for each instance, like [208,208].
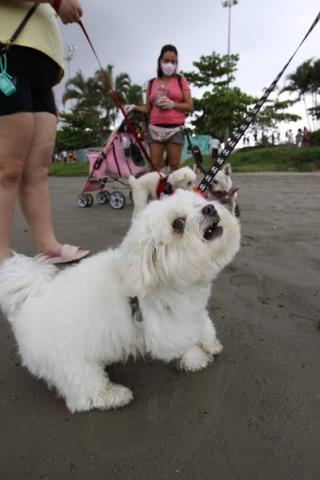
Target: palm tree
[134,95]
[315,89]
[300,82]
[120,84]
[83,91]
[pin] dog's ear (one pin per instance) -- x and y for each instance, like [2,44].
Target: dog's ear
[227,169]
[141,269]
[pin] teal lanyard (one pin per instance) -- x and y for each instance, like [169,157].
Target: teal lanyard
[6,85]
[3,65]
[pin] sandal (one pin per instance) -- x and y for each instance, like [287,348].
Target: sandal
[69,253]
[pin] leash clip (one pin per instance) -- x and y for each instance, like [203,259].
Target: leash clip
[4,47]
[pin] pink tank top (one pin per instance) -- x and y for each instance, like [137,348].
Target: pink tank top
[172,90]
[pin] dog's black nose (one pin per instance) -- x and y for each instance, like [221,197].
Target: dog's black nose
[209,210]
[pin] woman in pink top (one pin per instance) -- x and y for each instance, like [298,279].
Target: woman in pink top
[168,99]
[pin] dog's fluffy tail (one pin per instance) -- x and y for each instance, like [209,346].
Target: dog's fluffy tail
[22,277]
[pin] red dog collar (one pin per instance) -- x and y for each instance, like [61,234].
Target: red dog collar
[56,5]
[164,187]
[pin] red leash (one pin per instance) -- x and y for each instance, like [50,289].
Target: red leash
[116,98]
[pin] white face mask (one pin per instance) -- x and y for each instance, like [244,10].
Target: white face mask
[168,68]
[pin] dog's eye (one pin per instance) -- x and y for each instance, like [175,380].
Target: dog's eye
[215,182]
[189,184]
[178,225]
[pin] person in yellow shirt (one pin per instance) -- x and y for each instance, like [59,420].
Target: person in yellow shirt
[33,64]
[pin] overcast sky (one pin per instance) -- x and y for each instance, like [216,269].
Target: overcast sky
[129,34]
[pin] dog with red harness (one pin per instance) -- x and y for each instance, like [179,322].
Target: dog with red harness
[223,190]
[153,185]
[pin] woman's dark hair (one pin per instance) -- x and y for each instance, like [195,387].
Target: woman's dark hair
[164,49]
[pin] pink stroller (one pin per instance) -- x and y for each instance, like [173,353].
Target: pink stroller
[119,158]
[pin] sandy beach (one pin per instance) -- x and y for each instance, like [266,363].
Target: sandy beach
[252,415]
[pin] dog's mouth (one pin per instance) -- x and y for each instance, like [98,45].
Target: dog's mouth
[213,230]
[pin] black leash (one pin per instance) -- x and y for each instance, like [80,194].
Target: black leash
[4,47]
[232,142]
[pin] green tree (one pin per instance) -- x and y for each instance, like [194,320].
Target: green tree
[273,113]
[134,95]
[222,107]
[121,85]
[82,92]
[92,108]
[211,69]
[300,82]
[315,90]
[81,129]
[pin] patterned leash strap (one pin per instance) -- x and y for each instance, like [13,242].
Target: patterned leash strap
[232,142]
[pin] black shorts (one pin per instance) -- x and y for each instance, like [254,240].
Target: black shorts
[34,74]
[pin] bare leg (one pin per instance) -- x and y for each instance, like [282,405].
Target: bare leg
[174,155]
[156,152]
[16,132]
[34,193]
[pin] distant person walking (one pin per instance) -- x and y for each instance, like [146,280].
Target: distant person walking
[64,156]
[305,137]
[289,135]
[299,138]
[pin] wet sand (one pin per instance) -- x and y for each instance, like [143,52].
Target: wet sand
[252,415]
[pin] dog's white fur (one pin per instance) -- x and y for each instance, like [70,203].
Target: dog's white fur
[223,183]
[145,187]
[69,324]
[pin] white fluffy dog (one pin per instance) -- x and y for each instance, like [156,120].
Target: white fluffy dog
[151,185]
[148,296]
[222,189]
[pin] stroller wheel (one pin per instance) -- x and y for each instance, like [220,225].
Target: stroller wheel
[83,200]
[103,197]
[90,199]
[117,200]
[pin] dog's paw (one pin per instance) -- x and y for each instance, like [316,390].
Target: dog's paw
[212,348]
[194,360]
[113,396]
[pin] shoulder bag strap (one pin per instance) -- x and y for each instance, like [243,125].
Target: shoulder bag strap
[4,47]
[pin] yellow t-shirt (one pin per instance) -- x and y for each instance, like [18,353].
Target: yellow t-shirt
[41,32]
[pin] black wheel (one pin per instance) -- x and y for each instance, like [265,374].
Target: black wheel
[82,200]
[90,199]
[103,197]
[117,200]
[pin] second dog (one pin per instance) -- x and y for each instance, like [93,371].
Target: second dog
[153,184]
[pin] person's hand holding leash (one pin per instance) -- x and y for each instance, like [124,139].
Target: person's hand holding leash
[69,11]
